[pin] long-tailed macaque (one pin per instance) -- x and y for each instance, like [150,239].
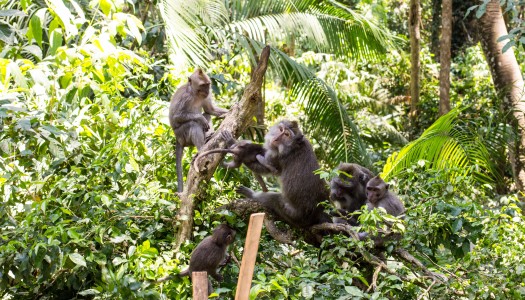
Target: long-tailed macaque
[211,253]
[288,150]
[186,118]
[378,195]
[244,152]
[348,190]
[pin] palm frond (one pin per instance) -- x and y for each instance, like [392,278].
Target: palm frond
[445,145]
[193,26]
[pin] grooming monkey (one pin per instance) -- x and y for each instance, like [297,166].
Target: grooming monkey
[186,118]
[348,190]
[301,190]
[244,152]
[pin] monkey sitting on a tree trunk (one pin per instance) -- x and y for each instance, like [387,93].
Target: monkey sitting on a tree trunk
[302,191]
[186,118]
[211,253]
[379,195]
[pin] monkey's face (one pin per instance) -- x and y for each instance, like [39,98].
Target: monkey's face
[281,136]
[345,190]
[200,83]
[374,194]
[203,89]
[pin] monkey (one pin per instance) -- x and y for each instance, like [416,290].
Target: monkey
[186,118]
[348,191]
[246,153]
[291,153]
[211,253]
[378,195]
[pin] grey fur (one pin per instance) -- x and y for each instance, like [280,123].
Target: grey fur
[186,118]
[349,193]
[301,190]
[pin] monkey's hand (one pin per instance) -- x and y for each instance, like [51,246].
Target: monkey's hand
[246,192]
[226,260]
[262,160]
[204,123]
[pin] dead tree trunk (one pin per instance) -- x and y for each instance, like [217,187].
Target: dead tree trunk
[236,121]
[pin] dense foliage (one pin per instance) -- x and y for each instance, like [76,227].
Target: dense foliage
[87,172]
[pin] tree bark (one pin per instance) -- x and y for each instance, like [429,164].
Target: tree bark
[415,48]
[444,50]
[236,121]
[508,81]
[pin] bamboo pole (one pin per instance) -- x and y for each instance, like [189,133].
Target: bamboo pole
[249,256]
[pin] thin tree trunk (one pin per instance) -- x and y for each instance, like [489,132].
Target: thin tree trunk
[444,50]
[415,48]
[508,81]
[236,121]
[435,26]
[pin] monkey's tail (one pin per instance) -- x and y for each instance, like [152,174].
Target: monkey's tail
[195,162]
[179,150]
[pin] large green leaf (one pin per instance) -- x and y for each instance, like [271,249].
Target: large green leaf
[447,144]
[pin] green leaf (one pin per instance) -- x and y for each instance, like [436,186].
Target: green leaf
[6,34]
[65,17]
[55,41]
[457,225]
[508,46]
[447,144]
[133,23]
[34,50]
[481,10]
[35,26]
[354,291]
[73,234]
[78,259]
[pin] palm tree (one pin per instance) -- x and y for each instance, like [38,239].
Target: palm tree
[205,27]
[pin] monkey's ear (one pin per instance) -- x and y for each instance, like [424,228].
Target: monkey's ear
[189,79]
[229,238]
[387,186]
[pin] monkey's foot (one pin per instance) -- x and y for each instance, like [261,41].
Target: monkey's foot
[247,192]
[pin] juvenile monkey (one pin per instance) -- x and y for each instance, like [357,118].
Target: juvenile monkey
[186,118]
[348,190]
[246,153]
[211,253]
[378,195]
[301,190]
